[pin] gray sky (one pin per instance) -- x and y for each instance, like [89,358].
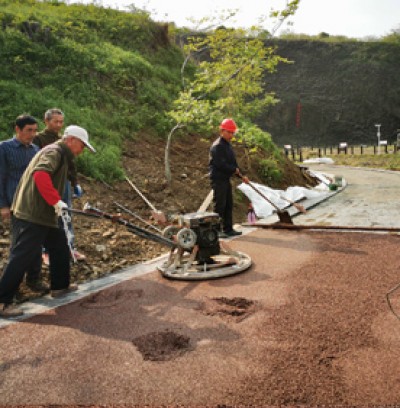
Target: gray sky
[352,18]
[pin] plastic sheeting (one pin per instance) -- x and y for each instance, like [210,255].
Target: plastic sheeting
[325,179]
[320,160]
[264,209]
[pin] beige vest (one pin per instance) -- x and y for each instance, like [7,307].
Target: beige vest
[28,203]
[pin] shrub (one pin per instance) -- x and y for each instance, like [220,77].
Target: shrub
[103,165]
[270,171]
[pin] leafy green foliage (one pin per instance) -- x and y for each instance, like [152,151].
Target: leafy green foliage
[229,81]
[112,72]
[254,137]
[324,37]
[271,168]
[270,171]
[393,37]
[102,166]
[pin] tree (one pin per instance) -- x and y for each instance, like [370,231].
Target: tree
[229,80]
[394,36]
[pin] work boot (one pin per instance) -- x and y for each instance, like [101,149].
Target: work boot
[233,233]
[38,286]
[222,234]
[56,293]
[10,310]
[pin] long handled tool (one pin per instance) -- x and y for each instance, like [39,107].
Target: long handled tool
[298,206]
[159,216]
[284,216]
[207,201]
[90,211]
[137,216]
[140,194]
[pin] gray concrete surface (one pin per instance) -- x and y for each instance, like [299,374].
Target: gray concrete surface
[371,198]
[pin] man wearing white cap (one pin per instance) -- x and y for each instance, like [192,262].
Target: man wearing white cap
[36,209]
[54,120]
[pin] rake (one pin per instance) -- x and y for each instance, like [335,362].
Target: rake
[284,216]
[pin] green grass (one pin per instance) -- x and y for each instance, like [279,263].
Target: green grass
[387,161]
[112,72]
[382,161]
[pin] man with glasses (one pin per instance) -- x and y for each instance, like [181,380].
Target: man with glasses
[223,166]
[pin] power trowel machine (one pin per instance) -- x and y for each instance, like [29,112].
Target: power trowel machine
[195,250]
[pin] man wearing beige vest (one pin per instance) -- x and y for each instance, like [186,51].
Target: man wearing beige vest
[36,210]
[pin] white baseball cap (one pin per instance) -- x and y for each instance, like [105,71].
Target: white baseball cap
[80,133]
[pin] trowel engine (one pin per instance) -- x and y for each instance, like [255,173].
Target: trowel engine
[205,227]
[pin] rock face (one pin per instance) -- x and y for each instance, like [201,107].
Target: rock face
[334,92]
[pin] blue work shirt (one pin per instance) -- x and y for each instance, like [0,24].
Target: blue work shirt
[14,158]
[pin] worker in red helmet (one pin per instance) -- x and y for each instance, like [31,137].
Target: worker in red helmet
[223,166]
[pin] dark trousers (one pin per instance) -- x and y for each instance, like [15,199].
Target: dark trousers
[223,202]
[34,270]
[28,241]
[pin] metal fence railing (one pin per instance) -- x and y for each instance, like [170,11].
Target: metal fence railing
[300,153]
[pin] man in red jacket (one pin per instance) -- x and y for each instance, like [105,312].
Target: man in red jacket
[36,209]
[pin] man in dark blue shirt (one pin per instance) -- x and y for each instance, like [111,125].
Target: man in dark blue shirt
[15,155]
[222,167]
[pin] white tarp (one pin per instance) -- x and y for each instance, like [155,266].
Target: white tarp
[264,209]
[320,160]
[325,179]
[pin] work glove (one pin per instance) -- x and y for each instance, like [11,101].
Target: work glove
[78,192]
[59,207]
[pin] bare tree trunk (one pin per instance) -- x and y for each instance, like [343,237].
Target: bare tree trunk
[167,153]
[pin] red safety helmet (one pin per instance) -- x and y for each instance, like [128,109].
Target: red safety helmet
[228,124]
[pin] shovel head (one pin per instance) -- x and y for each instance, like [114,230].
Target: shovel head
[284,217]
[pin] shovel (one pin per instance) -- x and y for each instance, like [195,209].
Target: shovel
[298,206]
[284,216]
[159,216]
